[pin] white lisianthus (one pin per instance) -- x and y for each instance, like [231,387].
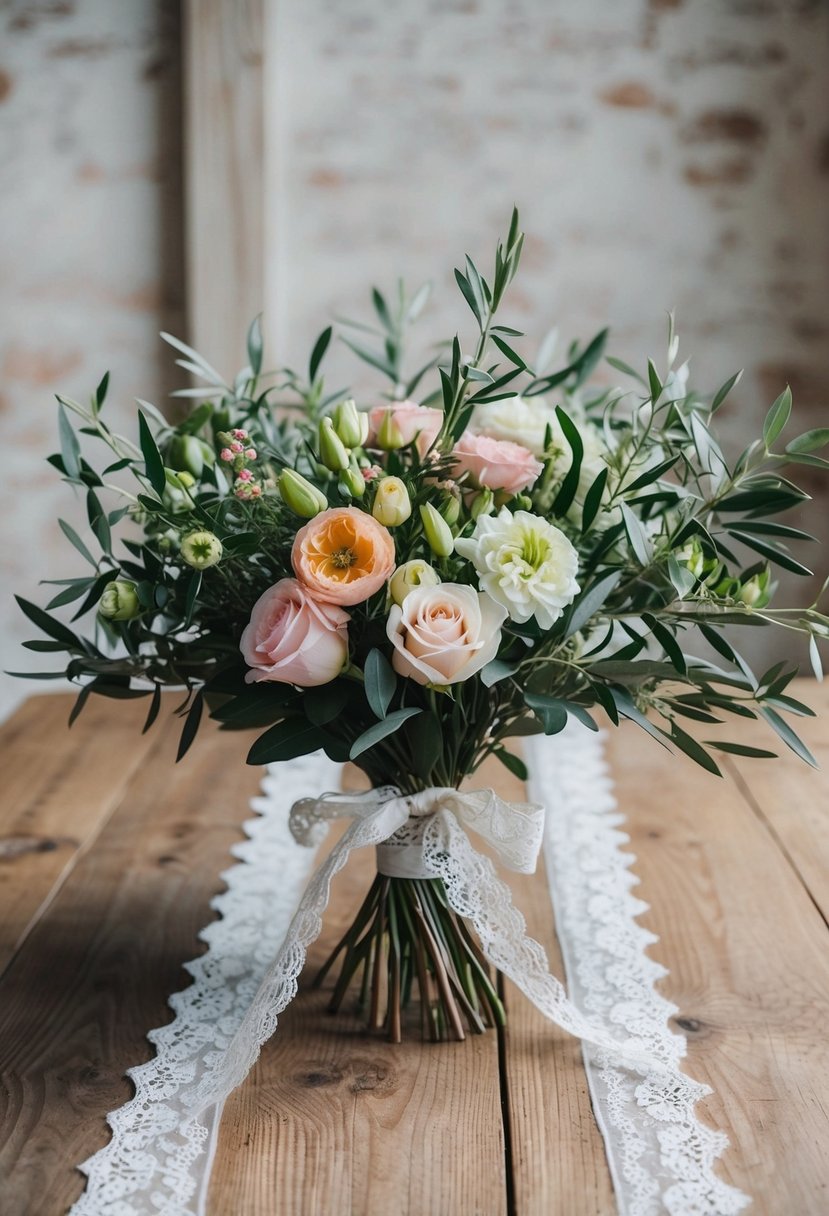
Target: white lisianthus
[521,420]
[524,563]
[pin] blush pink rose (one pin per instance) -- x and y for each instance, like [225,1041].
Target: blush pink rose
[497,464]
[415,422]
[294,639]
[444,634]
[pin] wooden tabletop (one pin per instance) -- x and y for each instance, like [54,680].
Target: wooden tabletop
[109,855]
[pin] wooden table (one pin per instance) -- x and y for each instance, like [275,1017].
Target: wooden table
[109,856]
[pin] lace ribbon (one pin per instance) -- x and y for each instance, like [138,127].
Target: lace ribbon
[152,1164]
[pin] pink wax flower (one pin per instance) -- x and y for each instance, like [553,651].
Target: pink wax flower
[236,446]
[495,464]
[226,454]
[245,475]
[250,453]
[293,638]
[238,433]
[413,421]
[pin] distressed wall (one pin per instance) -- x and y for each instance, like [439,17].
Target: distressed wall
[665,154]
[90,258]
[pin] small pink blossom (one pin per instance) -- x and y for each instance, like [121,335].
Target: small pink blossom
[236,446]
[255,491]
[245,475]
[238,433]
[250,453]
[372,472]
[226,454]
[495,464]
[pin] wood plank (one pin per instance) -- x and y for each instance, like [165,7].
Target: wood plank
[333,1121]
[749,969]
[559,1166]
[59,788]
[224,176]
[790,797]
[94,974]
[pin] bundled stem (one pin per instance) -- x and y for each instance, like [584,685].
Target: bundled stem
[405,935]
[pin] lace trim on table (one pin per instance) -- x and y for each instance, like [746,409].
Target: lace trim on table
[661,1157]
[157,1162]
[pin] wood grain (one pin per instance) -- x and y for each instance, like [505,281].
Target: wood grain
[749,969]
[94,973]
[59,788]
[224,183]
[332,1121]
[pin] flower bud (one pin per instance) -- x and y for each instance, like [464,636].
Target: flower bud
[438,533]
[450,509]
[333,453]
[415,573]
[351,424]
[756,591]
[482,503]
[389,434]
[693,557]
[299,495]
[201,550]
[119,601]
[392,505]
[352,484]
[189,454]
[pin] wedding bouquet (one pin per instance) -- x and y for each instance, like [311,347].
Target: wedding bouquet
[486,549]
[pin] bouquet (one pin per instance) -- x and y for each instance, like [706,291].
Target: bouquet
[487,548]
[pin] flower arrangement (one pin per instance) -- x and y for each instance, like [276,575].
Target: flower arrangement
[411,584]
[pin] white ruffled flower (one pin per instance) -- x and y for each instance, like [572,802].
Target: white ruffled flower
[524,563]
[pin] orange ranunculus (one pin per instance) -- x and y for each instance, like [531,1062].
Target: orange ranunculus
[343,555]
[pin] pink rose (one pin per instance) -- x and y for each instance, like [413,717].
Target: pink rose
[414,421]
[294,639]
[497,464]
[444,634]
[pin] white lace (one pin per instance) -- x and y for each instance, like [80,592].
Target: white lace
[661,1157]
[158,1161]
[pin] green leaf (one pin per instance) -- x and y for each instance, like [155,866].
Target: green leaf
[191,726]
[68,595]
[741,749]
[288,739]
[98,521]
[590,601]
[152,457]
[381,730]
[320,347]
[193,589]
[469,295]
[724,390]
[654,383]
[54,629]
[254,344]
[688,744]
[777,417]
[495,671]
[516,766]
[511,354]
[550,711]
[322,705]
[814,658]
[380,682]
[772,552]
[626,708]
[101,390]
[789,737]
[155,706]
[623,367]
[809,441]
[565,496]
[73,538]
[667,641]
[638,537]
[651,475]
[69,447]
[681,577]
[593,500]
[425,738]
[382,364]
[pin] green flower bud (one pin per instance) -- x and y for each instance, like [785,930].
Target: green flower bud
[352,484]
[522,502]
[119,601]
[351,424]
[333,453]
[415,573]
[299,495]
[482,503]
[389,436]
[693,557]
[756,591]
[438,533]
[450,509]
[189,454]
[201,549]
[392,505]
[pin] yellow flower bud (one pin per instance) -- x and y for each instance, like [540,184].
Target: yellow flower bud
[299,495]
[119,601]
[415,573]
[351,424]
[392,505]
[201,550]
[389,435]
[438,533]
[333,452]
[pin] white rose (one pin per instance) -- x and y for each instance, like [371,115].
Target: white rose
[521,420]
[524,563]
[444,634]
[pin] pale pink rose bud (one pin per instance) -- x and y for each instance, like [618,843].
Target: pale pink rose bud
[238,433]
[245,475]
[495,464]
[250,453]
[226,454]
[236,446]
[293,638]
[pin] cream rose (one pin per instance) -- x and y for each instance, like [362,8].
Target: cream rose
[293,638]
[444,634]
